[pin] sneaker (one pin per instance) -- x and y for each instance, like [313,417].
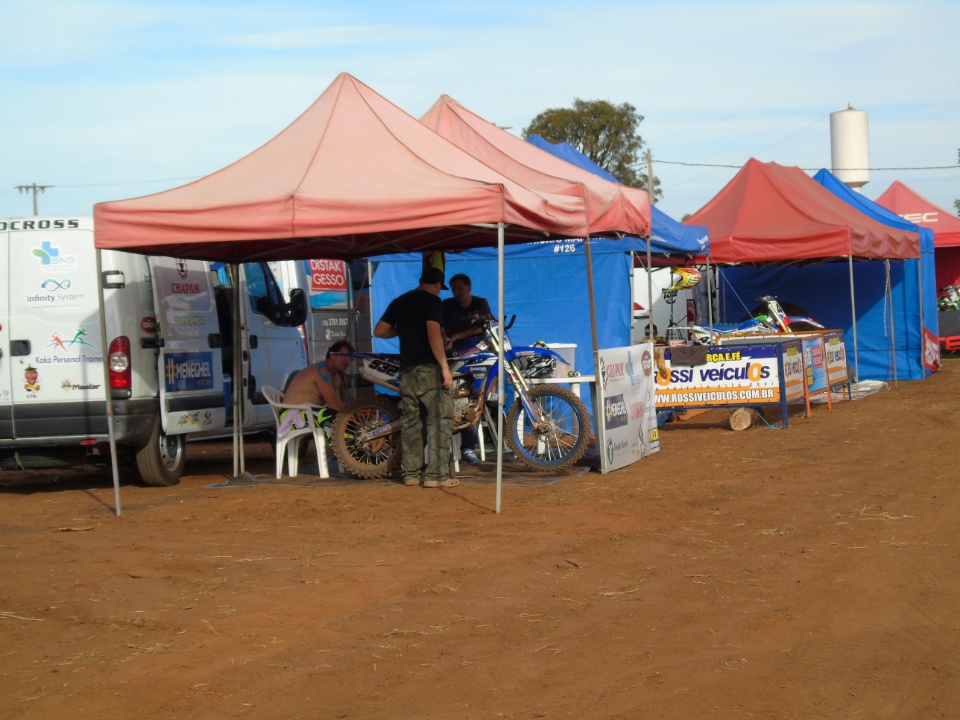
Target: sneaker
[469,456]
[445,483]
[410,481]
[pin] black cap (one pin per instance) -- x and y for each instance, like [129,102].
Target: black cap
[433,275]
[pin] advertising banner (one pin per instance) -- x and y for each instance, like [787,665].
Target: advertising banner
[328,282]
[626,413]
[835,351]
[746,372]
[191,395]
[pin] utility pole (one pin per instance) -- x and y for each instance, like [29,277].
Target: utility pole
[35,189]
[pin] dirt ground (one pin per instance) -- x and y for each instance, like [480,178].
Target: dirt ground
[811,572]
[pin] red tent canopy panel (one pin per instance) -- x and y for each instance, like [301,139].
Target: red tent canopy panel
[773,213]
[353,176]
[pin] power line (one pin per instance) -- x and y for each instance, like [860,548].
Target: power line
[878,169]
[128,182]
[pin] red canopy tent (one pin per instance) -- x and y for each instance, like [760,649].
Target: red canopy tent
[770,213]
[611,207]
[914,208]
[773,213]
[353,170]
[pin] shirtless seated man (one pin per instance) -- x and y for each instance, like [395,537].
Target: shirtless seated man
[319,385]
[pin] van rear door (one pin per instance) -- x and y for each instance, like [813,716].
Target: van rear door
[52,364]
[191,376]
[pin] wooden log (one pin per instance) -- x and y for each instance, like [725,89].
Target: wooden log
[741,418]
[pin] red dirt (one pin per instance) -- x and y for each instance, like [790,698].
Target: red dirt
[802,573]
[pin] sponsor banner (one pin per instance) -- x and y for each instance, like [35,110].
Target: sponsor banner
[730,375]
[931,351]
[328,282]
[814,365]
[188,371]
[627,430]
[835,352]
[794,376]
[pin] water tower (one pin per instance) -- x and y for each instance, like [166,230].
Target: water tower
[850,147]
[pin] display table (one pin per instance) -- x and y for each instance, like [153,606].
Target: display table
[574,382]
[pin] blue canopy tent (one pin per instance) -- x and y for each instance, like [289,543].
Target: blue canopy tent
[538,282]
[667,235]
[889,330]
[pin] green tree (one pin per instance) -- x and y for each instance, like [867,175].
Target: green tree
[956,204]
[604,132]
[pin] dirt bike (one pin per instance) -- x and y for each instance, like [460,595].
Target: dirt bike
[774,320]
[547,426]
[948,298]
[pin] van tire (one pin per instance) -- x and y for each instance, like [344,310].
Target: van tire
[162,459]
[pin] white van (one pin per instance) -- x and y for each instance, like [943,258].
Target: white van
[169,347]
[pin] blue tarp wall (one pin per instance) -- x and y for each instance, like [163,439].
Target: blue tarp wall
[824,292]
[545,285]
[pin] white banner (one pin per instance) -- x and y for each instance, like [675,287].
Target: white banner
[625,413]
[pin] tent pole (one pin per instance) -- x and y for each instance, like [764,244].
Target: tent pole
[709,298]
[923,341]
[653,201]
[593,306]
[500,362]
[853,311]
[238,460]
[105,351]
[893,328]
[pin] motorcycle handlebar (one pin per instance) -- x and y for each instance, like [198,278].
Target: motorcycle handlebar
[493,319]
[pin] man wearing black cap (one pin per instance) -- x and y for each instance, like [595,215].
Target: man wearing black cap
[425,400]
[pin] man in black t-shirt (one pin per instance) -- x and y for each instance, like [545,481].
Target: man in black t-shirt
[460,311]
[425,381]
[460,315]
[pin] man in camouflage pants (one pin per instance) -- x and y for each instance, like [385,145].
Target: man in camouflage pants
[425,381]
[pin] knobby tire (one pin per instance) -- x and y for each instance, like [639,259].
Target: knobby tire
[366,460]
[566,439]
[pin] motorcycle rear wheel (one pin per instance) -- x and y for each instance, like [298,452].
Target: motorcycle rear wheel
[373,458]
[562,435]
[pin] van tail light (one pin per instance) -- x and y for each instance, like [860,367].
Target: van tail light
[119,359]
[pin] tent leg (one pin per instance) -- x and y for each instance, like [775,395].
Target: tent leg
[853,311]
[500,361]
[238,459]
[893,329]
[106,387]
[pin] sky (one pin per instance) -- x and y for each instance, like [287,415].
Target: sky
[106,100]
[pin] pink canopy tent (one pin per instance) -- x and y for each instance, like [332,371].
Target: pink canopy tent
[917,209]
[353,176]
[612,208]
[773,213]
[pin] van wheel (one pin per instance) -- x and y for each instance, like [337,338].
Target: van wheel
[162,459]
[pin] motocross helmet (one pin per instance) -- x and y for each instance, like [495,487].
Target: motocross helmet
[688,278]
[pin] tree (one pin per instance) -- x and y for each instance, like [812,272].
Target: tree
[604,132]
[956,204]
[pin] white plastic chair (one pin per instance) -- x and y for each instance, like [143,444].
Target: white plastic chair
[290,443]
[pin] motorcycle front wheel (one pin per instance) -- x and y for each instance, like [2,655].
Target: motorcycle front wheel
[372,458]
[555,440]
